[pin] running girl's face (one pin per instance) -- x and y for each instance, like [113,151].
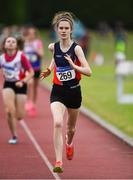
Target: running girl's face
[64,30]
[10,43]
[31,34]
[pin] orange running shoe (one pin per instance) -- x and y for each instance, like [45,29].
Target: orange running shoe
[58,167]
[69,150]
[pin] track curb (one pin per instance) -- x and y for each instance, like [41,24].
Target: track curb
[103,123]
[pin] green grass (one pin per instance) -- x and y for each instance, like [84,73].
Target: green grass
[100,90]
[99,95]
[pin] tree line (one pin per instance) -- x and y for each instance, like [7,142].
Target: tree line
[40,12]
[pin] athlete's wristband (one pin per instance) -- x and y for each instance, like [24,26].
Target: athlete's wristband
[48,70]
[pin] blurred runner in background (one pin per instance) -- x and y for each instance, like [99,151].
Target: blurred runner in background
[34,50]
[14,64]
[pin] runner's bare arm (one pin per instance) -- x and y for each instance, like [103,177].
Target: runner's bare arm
[29,75]
[40,52]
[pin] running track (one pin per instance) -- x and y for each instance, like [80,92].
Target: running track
[98,154]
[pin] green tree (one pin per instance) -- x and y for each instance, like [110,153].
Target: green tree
[13,11]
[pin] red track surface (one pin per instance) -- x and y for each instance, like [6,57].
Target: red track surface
[98,154]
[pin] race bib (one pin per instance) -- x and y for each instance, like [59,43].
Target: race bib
[9,74]
[65,73]
[32,57]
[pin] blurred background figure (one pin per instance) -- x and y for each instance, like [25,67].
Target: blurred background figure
[102,32]
[120,43]
[5,31]
[103,28]
[81,35]
[34,50]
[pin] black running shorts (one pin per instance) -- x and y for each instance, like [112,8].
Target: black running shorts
[37,74]
[70,97]
[17,90]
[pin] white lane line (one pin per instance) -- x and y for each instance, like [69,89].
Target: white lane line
[39,149]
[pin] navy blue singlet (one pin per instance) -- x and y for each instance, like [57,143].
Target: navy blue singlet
[64,74]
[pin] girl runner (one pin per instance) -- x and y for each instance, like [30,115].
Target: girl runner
[14,65]
[34,50]
[69,63]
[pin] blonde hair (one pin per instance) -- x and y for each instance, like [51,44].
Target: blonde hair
[63,16]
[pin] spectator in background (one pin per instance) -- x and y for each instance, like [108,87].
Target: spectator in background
[81,35]
[34,50]
[103,28]
[120,43]
[103,31]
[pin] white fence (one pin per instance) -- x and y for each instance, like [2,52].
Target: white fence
[123,69]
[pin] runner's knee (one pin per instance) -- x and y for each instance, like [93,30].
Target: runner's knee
[10,110]
[58,124]
[20,116]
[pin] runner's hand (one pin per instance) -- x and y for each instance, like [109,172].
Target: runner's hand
[19,84]
[68,58]
[45,73]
